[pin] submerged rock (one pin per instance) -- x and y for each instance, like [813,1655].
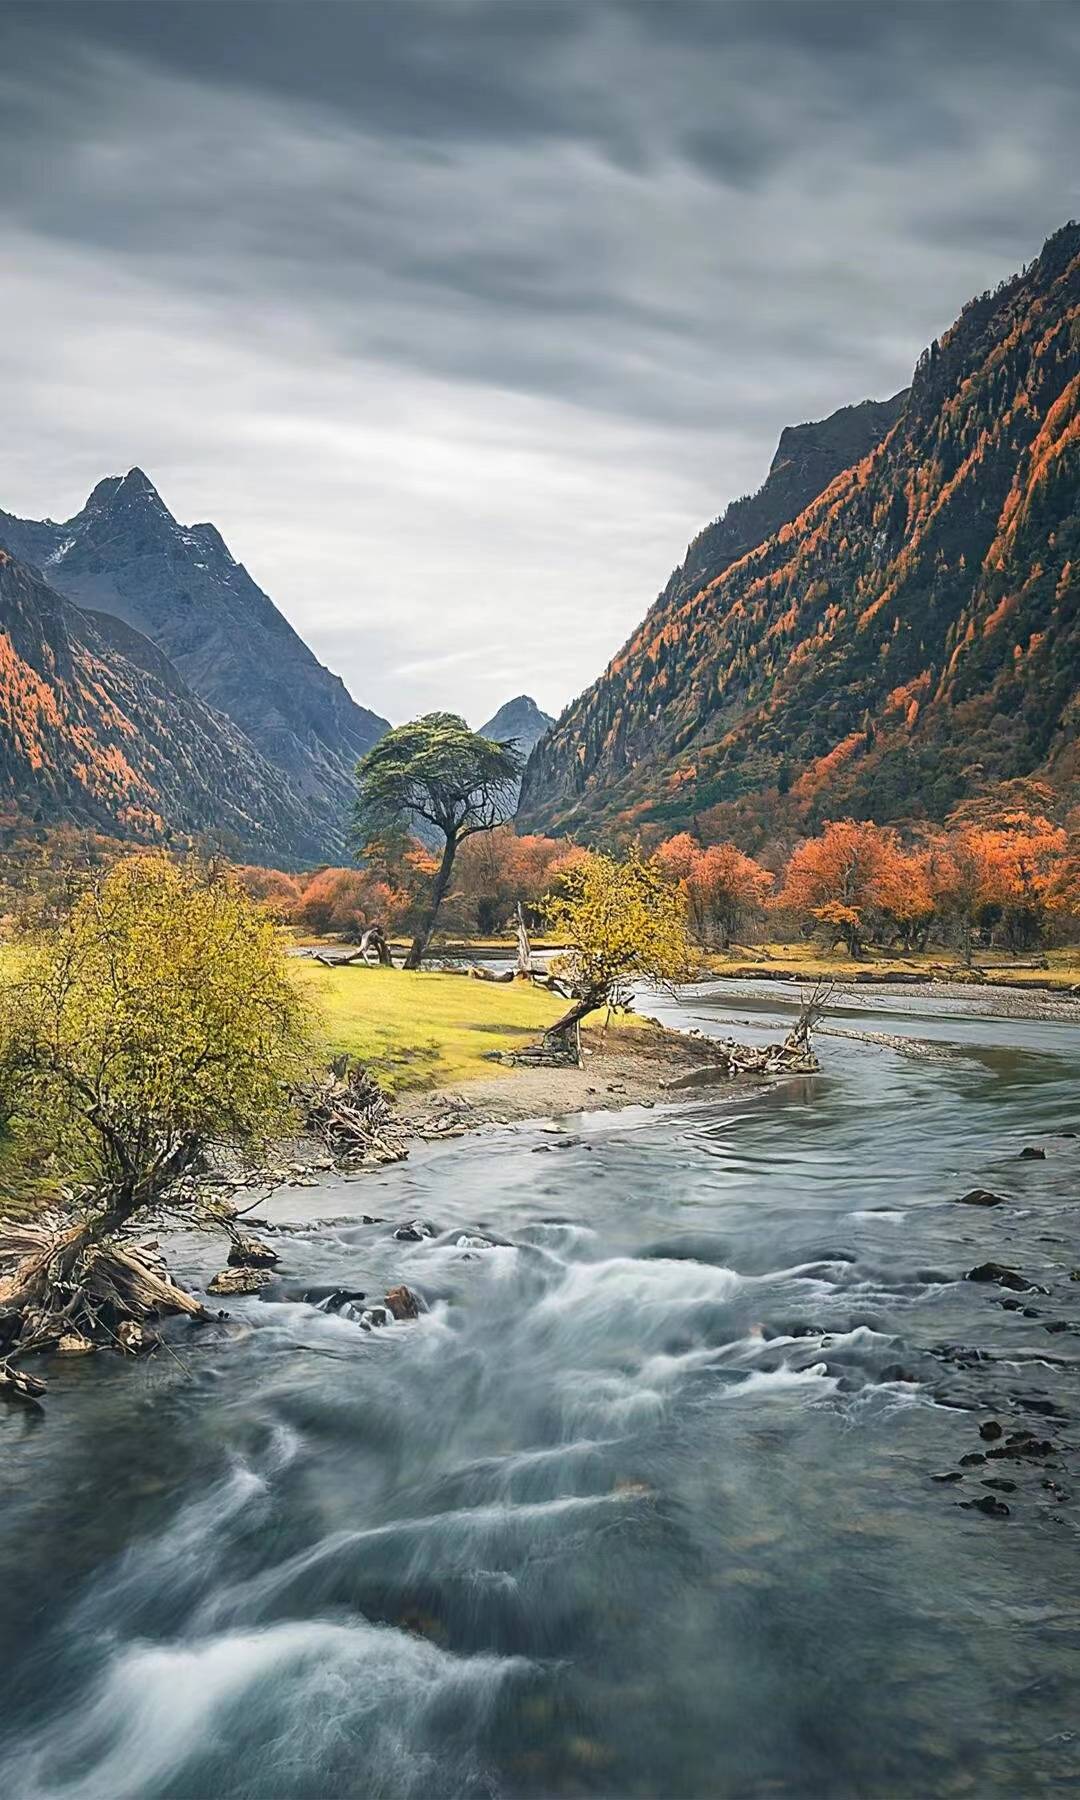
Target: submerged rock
[1003,1277]
[990,1431]
[239,1281]
[981,1197]
[986,1503]
[251,1253]
[1030,1153]
[373,1317]
[134,1339]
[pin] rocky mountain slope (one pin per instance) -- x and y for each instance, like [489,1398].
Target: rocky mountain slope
[126,554]
[907,636]
[98,728]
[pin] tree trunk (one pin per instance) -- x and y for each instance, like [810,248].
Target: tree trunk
[438,892]
[524,948]
[580,1010]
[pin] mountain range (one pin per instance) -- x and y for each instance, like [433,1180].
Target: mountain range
[159,610]
[888,626]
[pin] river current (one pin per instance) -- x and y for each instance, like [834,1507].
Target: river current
[643,1505]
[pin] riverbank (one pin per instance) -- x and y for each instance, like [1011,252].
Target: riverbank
[1055,971]
[639,1064]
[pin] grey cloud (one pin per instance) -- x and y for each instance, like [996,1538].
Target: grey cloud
[597,253]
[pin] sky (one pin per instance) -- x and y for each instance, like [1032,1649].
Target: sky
[461,317]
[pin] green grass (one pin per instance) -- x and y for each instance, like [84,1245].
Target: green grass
[419,1030]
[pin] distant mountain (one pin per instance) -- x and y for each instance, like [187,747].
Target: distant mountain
[98,728]
[125,554]
[522,720]
[908,636]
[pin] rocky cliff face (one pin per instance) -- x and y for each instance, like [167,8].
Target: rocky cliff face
[126,555]
[98,728]
[906,636]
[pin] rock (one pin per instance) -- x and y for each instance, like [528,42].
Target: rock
[251,1253]
[74,1344]
[990,1431]
[541,1149]
[986,1503]
[972,1460]
[467,1241]
[1021,1445]
[413,1232]
[402,1302]
[1031,1154]
[951,1475]
[134,1339]
[336,1299]
[239,1281]
[1006,1278]
[981,1197]
[1057,1325]
[373,1317]
[1002,1486]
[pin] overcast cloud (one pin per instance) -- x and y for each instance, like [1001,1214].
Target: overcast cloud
[460,317]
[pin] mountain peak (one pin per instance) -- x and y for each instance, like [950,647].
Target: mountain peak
[519,718]
[123,490]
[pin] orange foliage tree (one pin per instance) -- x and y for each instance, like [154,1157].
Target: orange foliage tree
[724,888]
[496,869]
[840,880]
[348,901]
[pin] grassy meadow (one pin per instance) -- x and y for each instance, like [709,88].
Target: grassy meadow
[421,1029]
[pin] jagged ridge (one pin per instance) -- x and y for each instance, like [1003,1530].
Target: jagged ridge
[126,554]
[98,728]
[909,635]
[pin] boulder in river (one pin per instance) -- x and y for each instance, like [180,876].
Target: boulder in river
[402,1302]
[1031,1153]
[1003,1277]
[981,1197]
[986,1503]
[414,1231]
[251,1253]
[239,1281]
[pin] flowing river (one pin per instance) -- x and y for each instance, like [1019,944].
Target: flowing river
[644,1504]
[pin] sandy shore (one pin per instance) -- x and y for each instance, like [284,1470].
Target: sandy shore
[628,1068]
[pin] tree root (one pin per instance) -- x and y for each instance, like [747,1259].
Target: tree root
[72,1284]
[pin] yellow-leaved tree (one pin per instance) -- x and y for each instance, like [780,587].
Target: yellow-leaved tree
[155,1021]
[622,922]
[158,1019]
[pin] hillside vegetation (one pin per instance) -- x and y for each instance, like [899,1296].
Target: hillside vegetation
[909,637]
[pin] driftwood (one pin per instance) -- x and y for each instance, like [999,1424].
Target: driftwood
[349,1113]
[78,1287]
